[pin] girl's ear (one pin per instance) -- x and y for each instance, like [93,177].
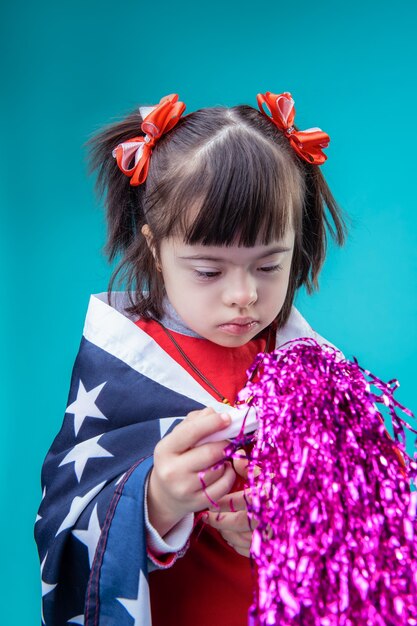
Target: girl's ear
[147,233]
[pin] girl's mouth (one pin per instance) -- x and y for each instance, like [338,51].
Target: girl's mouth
[238,328]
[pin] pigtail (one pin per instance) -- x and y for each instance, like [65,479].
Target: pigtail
[125,215]
[124,203]
[320,213]
[316,222]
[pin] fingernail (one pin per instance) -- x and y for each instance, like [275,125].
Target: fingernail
[225,418]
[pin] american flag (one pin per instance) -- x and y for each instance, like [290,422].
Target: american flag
[125,394]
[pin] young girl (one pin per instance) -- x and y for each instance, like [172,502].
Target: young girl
[220,216]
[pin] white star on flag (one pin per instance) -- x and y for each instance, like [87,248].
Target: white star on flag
[85,405]
[79,455]
[77,507]
[78,619]
[165,424]
[90,536]
[46,587]
[139,608]
[38,517]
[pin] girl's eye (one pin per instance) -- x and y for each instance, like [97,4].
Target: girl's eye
[271,268]
[206,275]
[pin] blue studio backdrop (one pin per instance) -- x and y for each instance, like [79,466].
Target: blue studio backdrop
[70,67]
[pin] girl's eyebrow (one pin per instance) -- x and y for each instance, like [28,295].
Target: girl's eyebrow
[204,257]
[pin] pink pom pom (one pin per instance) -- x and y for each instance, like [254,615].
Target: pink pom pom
[335,531]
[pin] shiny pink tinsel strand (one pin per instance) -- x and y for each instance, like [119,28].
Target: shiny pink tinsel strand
[335,532]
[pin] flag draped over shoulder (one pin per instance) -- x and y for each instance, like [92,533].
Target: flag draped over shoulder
[125,394]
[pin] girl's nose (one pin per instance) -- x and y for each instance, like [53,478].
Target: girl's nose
[241,291]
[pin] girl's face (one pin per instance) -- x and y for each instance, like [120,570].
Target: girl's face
[227,294]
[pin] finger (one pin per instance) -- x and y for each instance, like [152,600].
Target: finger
[205,456]
[218,489]
[243,540]
[193,414]
[234,501]
[238,540]
[210,476]
[242,551]
[241,463]
[195,427]
[236,522]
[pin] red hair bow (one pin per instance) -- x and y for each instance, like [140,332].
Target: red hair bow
[156,121]
[309,143]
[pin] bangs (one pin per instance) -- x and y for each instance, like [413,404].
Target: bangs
[237,189]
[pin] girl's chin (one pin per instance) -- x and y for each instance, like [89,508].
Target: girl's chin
[232,340]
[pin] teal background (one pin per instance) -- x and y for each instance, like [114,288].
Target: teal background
[70,67]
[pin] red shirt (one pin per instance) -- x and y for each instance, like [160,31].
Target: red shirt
[212,584]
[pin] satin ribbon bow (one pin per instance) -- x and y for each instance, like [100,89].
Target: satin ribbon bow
[156,121]
[309,143]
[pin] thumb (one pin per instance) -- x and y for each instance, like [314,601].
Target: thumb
[241,463]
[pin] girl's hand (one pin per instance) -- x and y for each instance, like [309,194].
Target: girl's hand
[233,525]
[231,519]
[174,487]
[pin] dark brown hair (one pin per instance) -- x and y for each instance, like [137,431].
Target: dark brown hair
[243,182]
